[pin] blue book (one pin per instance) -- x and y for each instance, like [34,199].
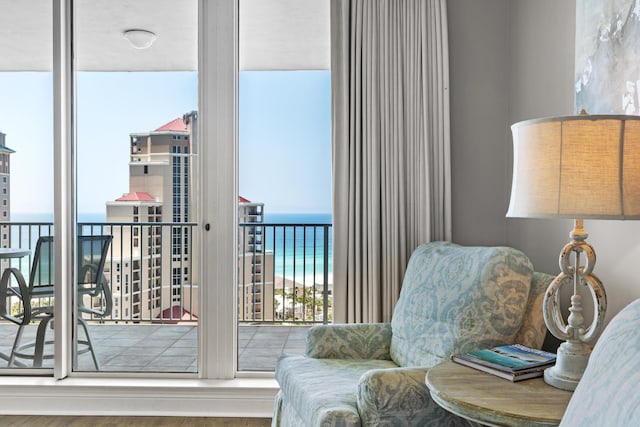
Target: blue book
[513,362]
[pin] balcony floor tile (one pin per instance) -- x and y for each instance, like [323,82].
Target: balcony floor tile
[171,348]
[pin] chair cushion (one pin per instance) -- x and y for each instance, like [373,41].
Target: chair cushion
[456,298]
[323,391]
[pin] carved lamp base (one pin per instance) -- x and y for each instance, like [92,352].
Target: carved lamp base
[573,355]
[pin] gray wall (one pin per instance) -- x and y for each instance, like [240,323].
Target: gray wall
[513,60]
[479,72]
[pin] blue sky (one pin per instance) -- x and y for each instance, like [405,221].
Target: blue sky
[285,140]
[284,118]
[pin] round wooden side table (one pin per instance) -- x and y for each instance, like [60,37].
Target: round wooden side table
[493,401]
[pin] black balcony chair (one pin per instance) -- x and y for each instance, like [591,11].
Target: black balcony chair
[94,295]
[92,285]
[35,303]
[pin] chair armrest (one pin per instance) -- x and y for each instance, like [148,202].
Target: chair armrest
[21,291]
[399,396]
[350,341]
[98,290]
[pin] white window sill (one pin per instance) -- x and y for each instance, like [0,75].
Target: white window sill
[241,397]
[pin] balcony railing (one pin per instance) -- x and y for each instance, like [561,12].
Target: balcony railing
[287,277]
[152,271]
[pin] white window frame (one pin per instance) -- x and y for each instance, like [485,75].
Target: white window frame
[218,390]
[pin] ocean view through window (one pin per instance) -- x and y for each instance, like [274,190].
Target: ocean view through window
[150,265]
[75,95]
[285,257]
[297,244]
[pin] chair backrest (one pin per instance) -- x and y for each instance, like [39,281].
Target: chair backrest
[456,298]
[91,257]
[92,254]
[42,269]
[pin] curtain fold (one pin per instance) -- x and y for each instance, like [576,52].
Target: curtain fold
[391,161]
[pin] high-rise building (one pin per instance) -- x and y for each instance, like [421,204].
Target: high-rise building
[255,264]
[150,282]
[5,189]
[158,212]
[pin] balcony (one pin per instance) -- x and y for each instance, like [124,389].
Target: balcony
[284,287]
[172,348]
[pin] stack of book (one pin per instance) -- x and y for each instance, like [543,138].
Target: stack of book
[513,362]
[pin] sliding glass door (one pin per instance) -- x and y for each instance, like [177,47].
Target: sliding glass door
[126,127]
[284,204]
[26,183]
[137,157]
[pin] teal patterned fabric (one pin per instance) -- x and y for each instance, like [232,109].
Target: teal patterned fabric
[323,391]
[399,397]
[533,329]
[284,414]
[457,299]
[452,298]
[352,341]
[609,392]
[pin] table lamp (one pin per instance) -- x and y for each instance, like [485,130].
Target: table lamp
[577,167]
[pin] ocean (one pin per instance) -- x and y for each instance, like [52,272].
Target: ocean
[298,247]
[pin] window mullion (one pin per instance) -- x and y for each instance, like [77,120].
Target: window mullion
[64,174]
[217,62]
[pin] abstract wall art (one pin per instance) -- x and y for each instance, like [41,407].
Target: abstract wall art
[607,61]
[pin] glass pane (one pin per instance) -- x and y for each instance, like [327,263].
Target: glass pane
[284,213]
[137,96]
[26,184]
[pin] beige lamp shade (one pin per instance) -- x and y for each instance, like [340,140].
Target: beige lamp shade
[585,166]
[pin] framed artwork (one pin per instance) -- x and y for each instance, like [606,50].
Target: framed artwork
[607,62]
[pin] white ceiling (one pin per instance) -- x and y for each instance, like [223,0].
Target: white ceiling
[274,34]
[284,34]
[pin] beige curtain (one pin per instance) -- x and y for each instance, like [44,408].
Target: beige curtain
[391,173]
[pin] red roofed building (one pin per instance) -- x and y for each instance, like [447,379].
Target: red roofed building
[156,269]
[151,260]
[176,125]
[136,196]
[176,314]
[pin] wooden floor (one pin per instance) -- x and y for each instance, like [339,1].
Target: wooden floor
[70,421]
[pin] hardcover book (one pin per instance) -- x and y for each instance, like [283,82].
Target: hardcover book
[513,362]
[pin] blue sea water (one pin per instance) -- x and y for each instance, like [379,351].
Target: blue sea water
[298,243]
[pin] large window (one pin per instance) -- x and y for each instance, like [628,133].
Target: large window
[132,91]
[284,203]
[156,328]
[136,99]
[285,272]
[27,173]
[91,168]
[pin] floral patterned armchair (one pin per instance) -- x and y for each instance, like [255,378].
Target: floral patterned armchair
[453,299]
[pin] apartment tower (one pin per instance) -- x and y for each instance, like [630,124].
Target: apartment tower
[5,189]
[255,264]
[156,273]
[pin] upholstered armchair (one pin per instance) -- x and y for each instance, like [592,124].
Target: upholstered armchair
[453,299]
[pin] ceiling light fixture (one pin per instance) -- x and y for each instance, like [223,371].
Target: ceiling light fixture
[140,39]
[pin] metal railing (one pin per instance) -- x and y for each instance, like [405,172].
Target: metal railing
[151,270]
[284,273]
[284,270]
